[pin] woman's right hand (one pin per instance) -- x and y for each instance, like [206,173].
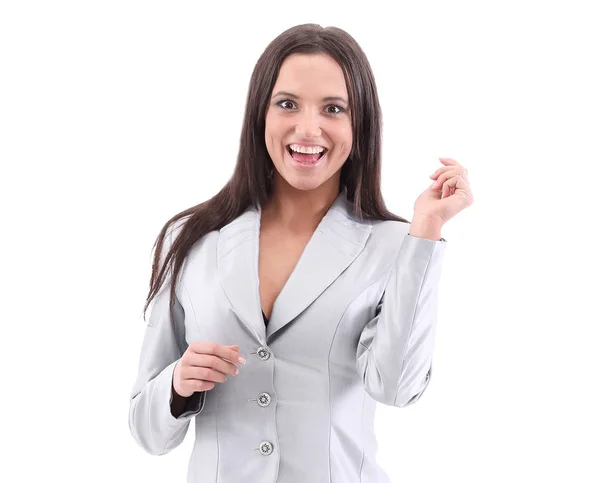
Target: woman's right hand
[202,365]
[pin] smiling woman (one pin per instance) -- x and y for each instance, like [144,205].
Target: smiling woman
[297,265]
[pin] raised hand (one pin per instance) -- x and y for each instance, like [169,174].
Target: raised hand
[449,194]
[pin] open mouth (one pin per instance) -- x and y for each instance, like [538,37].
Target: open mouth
[291,153]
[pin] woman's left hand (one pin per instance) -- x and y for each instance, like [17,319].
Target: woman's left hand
[449,194]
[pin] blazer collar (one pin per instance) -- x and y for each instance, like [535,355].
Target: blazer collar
[335,244]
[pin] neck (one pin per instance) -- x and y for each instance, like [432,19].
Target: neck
[299,211]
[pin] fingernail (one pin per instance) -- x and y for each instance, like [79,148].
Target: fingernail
[241,359]
[237,371]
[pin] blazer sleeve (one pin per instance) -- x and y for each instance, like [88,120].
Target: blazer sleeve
[151,422]
[395,350]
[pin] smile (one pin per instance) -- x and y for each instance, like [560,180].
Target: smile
[291,152]
[302,161]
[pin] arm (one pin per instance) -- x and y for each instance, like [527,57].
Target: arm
[158,417]
[395,348]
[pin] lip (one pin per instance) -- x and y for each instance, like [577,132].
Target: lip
[304,167]
[287,147]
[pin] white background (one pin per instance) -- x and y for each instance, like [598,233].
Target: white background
[116,115]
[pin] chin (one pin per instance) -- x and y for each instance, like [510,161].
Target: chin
[302,183]
[305,185]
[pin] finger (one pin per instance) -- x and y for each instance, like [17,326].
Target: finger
[441,179]
[447,190]
[448,172]
[202,374]
[235,348]
[454,184]
[439,171]
[212,348]
[459,170]
[213,362]
[464,186]
[205,363]
[449,162]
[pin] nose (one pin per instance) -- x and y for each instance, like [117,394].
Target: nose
[308,125]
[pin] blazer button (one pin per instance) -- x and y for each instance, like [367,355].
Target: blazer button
[264,399]
[263,353]
[265,448]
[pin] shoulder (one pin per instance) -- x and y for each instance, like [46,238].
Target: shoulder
[176,228]
[385,239]
[388,231]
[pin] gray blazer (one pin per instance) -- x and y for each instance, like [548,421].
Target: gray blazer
[354,325]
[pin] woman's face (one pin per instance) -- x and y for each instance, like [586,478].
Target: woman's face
[300,112]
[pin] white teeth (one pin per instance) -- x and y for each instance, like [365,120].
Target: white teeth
[306,150]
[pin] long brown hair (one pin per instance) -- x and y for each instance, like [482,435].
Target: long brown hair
[251,182]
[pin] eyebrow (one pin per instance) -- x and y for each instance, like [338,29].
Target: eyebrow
[325,99]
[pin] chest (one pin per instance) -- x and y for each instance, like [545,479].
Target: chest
[278,256]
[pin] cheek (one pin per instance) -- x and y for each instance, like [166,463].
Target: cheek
[346,146]
[273,130]
[345,138]
[270,141]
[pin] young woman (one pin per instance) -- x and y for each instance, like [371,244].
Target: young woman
[297,266]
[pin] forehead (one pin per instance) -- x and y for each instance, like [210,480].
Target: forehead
[308,74]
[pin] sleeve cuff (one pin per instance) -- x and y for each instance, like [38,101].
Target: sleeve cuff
[165,382]
[193,405]
[435,241]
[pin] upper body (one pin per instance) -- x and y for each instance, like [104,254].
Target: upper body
[349,289]
[353,325]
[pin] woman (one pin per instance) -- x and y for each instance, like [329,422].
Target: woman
[348,290]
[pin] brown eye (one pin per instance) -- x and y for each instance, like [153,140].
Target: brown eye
[339,109]
[281,102]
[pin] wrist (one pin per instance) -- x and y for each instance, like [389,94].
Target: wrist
[425,227]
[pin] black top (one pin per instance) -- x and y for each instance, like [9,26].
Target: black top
[265,318]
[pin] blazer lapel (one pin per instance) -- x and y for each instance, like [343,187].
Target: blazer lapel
[335,244]
[237,266]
